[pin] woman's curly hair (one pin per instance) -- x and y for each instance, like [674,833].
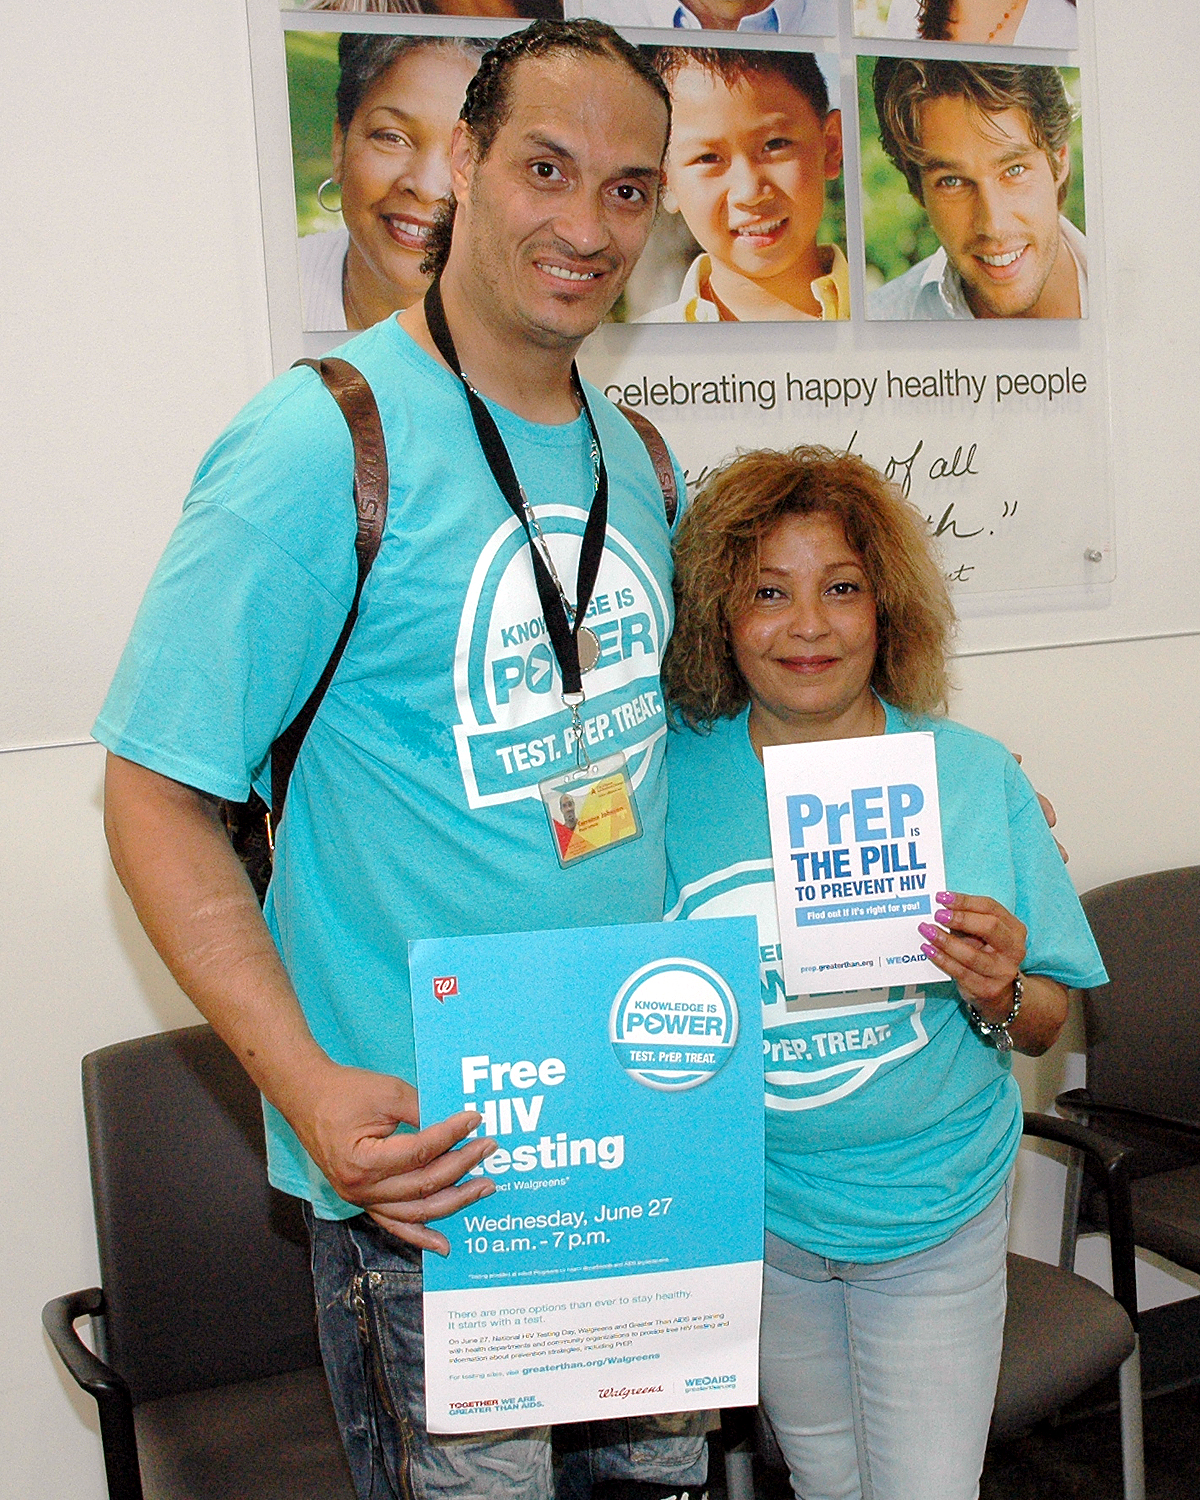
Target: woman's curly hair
[716,574]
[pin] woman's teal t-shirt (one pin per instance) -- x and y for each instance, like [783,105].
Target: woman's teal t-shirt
[890,1122]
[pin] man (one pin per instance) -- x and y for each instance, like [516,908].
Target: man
[783,17]
[415,809]
[984,148]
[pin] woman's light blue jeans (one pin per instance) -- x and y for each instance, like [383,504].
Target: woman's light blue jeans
[879,1380]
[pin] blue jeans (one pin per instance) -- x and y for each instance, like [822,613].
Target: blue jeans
[369,1318]
[879,1380]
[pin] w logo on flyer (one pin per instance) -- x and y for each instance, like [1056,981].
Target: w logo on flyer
[444,985]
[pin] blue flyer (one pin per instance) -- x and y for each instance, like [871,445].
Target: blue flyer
[616,1270]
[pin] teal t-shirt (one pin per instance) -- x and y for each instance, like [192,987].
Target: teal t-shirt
[890,1122]
[413,811]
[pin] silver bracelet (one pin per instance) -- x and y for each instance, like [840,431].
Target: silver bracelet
[999,1029]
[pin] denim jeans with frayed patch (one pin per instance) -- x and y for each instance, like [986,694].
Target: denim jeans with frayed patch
[369,1317]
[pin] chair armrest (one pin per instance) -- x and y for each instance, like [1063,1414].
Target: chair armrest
[1104,1162]
[89,1370]
[101,1381]
[1078,1104]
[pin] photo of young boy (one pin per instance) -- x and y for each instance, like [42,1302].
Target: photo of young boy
[754,141]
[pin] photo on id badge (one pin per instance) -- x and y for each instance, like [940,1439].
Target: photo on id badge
[591,808]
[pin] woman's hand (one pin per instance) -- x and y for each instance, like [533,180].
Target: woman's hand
[982,950]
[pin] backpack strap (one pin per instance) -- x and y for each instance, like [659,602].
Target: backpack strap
[660,457]
[349,388]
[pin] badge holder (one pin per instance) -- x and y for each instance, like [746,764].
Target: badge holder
[592,807]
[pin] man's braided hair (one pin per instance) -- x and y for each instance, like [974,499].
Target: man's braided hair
[488,103]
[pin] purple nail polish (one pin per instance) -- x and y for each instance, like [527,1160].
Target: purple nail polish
[942,916]
[945,898]
[927,929]
[928,951]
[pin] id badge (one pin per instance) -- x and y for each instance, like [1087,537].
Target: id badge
[591,809]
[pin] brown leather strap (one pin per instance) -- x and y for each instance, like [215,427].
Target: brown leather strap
[660,457]
[354,396]
[350,390]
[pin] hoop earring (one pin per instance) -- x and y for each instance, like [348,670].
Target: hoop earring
[329,182]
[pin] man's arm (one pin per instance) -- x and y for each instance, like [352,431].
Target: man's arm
[192,896]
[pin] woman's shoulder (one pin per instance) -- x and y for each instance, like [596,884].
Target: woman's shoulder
[699,754]
[944,730]
[962,751]
[1049,23]
[326,248]
[321,257]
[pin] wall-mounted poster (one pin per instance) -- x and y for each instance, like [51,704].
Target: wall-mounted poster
[754,225]
[999,23]
[995,424]
[497,10]
[770,17]
[371,116]
[972,190]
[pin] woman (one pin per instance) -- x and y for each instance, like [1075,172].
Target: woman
[810,607]
[1005,23]
[397,100]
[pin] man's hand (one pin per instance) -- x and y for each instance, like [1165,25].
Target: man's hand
[1048,813]
[402,1180]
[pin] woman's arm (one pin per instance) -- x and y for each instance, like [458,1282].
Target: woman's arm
[982,950]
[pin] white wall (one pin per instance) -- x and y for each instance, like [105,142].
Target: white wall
[135,325]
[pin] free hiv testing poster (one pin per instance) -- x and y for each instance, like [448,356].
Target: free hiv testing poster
[856,842]
[617,1268]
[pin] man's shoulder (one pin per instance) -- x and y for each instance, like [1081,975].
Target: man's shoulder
[621,12]
[295,412]
[807,17]
[289,449]
[912,296]
[631,438]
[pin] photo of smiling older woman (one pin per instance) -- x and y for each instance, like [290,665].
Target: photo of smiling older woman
[371,120]
[972,190]
[753,193]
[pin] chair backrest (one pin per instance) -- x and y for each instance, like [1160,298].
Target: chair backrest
[204,1266]
[1143,1027]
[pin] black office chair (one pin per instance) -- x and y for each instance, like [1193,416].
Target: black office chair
[1062,1334]
[1143,1059]
[208,1377]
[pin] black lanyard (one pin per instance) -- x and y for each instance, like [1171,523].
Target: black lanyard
[564,637]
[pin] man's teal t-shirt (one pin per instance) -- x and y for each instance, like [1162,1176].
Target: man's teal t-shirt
[890,1122]
[413,811]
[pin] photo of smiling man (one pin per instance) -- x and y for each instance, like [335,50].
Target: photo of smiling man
[754,171]
[990,154]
